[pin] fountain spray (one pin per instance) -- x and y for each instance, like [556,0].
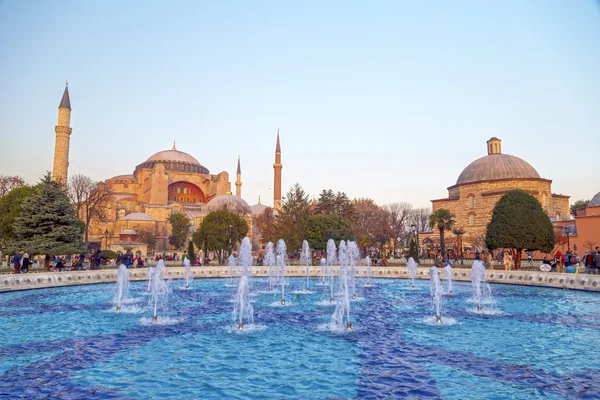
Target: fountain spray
[436,292]
[412,270]
[281,257]
[123,277]
[305,259]
[242,309]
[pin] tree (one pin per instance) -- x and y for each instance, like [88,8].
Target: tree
[370,222]
[8,183]
[399,220]
[412,249]
[219,231]
[148,236]
[578,205]
[419,217]
[190,253]
[47,223]
[90,200]
[459,232]
[322,227]
[265,225]
[443,220]
[519,222]
[292,220]
[180,229]
[10,210]
[334,203]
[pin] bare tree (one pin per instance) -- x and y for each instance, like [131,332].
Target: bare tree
[370,223]
[89,199]
[399,220]
[420,218]
[8,183]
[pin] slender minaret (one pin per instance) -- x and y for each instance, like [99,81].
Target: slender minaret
[238,180]
[277,184]
[63,136]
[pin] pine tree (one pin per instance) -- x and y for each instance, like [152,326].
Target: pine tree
[412,250]
[47,223]
[190,253]
[519,222]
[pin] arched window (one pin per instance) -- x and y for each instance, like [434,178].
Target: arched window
[472,201]
[472,220]
[181,199]
[136,208]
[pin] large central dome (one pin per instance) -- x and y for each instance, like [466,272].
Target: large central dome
[174,155]
[497,166]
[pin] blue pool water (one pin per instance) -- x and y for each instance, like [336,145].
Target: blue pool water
[69,343]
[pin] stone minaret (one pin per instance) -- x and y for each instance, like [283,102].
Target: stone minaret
[238,180]
[277,184]
[63,136]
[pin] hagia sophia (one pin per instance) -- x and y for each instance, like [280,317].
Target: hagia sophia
[169,181]
[172,181]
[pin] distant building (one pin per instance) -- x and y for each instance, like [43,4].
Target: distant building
[483,182]
[584,233]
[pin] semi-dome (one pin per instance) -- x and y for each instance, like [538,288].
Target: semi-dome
[174,155]
[128,232]
[138,216]
[595,201]
[497,166]
[227,202]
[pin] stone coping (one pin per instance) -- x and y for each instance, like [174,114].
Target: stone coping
[15,282]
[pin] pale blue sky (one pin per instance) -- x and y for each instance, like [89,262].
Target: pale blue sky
[381,99]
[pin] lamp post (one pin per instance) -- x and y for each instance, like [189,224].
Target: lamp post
[568,231]
[106,239]
[416,228]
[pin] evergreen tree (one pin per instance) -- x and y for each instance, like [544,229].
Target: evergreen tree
[190,253]
[47,223]
[320,228]
[292,220]
[519,222]
[412,250]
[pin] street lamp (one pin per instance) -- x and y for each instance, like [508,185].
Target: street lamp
[106,239]
[568,232]
[416,228]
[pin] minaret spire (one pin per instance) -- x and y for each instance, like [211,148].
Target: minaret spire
[277,176]
[238,180]
[63,137]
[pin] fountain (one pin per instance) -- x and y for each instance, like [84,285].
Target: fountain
[331,249]
[230,264]
[353,255]
[482,293]
[122,285]
[412,270]
[242,309]
[281,258]
[270,261]
[323,267]
[149,275]
[369,271]
[159,289]
[305,259]
[342,308]
[188,273]
[448,276]
[436,292]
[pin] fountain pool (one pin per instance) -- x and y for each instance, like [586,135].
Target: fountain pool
[69,342]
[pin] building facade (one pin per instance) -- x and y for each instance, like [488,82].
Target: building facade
[483,182]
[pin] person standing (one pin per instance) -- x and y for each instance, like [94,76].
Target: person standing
[507,260]
[596,260]
[17,261]
[25,262]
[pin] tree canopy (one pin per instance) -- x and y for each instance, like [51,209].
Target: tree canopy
[322,227]
[578,205]
[10,182]
[220,230]
[47,223]
[180,229]
[370,223]
[519,222]
[334,203]
[10,209]
[90,199]
[265,225]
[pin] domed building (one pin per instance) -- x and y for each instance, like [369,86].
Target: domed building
[167,182]
[483,182]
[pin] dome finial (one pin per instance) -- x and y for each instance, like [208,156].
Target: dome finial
[259,199]
[174,148]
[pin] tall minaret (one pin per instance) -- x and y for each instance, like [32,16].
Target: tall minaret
[277,184]
[238,181]
[63,136]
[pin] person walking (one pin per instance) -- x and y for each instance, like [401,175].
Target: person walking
[507,260]
[17,261]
